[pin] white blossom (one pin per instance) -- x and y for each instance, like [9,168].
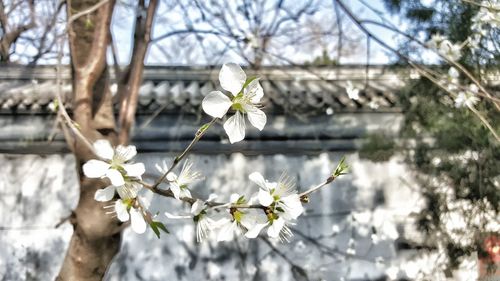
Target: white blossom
[373,104]
[449,50]
[487,17]
[254,221]
[453,74]
[467,98]
[284,202]
[204,224]
[282,195]
[444,47]
[351,250]
[115,164]
[239,220]
[229,225]
[128,209]
[244,101]
[352,92]
[335,229]
[179,184]
[128,190]
[435,40]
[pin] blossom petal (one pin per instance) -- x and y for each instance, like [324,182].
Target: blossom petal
[137,221]
[274,229]
[254,90]
[227,231]
[197,207]
[212,197]
[216,104]
[185,193]
[255,230]
[125,153]
[232,78]
[176,190]
[128,191]
[234,198]
[115,177]
[106,194]
[265,198]
[134,170]
[103,149]
[171,177]
[221,222]
[257,178]
[254,222]
[121,211]
[235,127]
[176,217]
[292,206]
[95,168]
[162,168]
[256,117]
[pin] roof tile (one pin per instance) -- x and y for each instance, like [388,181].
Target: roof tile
[183,89]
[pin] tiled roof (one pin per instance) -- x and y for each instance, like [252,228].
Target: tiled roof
[175,89]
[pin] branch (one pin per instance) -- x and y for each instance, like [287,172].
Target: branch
[179,158]
[142,37]
[86,12]
[340,170]
[88,60]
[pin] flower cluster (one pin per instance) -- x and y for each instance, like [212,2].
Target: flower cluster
[445,48]
[123,176]
[467,96]
[487,18]
[179,185]
[352,92]
[275,206]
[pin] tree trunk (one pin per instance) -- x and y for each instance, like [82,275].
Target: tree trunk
[96,237]
[95,240]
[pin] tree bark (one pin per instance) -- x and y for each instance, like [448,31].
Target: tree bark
[96,237]
[142,38]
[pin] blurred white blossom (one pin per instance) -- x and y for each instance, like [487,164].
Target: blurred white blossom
[445,48]
[352,92]
[467,98]
[128,190]
[204,224]
[179,184]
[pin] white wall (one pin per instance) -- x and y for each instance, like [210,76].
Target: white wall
[37,191]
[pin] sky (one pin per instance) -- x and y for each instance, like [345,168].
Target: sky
[123,20]
[170,52]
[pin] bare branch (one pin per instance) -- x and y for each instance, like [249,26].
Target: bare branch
[128,104]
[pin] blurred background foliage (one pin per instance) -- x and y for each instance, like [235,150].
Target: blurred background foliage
[445,146]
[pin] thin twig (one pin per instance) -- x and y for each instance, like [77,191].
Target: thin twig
[85,12]
[315,188]
[179,158]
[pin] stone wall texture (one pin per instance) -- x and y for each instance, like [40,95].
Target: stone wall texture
[36,192]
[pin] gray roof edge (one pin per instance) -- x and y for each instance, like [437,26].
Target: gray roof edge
[342,72]
[166,72]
